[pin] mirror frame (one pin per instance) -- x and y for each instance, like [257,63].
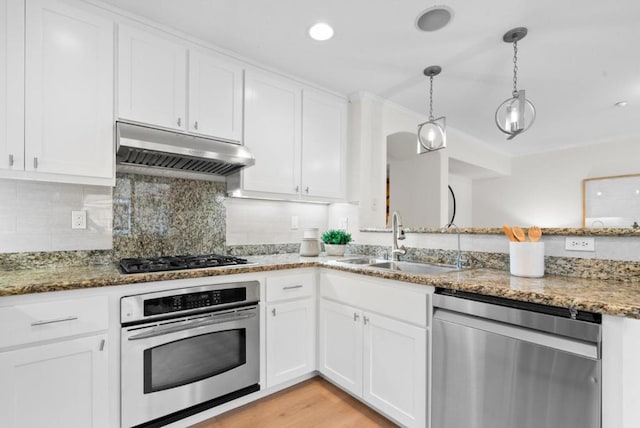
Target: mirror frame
[584,195]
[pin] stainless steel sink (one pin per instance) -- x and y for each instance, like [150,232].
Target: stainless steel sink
[357,261]
[412,267]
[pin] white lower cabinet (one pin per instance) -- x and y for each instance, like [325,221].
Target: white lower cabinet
[290,325]
[290,340]
[62,384]
[374,357]
[395,368]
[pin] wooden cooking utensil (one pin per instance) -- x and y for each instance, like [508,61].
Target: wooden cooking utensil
[534,233]
[518,234]
[509,233]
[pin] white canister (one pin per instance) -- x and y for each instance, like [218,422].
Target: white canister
[309,247]
[526,259]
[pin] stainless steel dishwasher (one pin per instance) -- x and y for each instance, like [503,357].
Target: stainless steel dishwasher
[499,363]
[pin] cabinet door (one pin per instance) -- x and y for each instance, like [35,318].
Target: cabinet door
[272,132]
[291,333]
[61,384]
[69,90]
[215,97]
[324,137]
[395,369]
[11,84]
[341,345]
[152,79]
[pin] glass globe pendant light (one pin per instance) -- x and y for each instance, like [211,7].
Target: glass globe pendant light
[432,133]
[517,114]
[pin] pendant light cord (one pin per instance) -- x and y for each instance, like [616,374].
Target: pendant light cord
[515,69]
[430,97]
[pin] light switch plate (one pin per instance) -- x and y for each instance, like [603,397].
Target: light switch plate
[294,222]
[580,244]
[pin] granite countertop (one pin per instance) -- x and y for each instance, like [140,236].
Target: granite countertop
[605,297]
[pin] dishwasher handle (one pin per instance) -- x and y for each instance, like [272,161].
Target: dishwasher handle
[561,343]
[520,314]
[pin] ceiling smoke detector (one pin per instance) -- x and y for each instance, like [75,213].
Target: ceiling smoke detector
[434,18]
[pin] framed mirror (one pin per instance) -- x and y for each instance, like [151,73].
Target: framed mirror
[612,201]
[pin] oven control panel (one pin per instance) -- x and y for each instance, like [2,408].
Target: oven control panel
[144,307]
[203,299]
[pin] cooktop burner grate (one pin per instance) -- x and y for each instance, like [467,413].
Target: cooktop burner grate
[168,263]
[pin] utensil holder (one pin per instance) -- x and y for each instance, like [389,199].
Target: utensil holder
[526,259]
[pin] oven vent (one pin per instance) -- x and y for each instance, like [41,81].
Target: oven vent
[142,146]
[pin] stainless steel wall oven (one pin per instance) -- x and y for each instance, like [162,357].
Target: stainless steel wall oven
[187,350]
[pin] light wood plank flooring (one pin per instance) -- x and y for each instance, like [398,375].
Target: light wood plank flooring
[313,403]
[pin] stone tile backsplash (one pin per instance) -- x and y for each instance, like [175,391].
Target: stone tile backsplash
[156,216]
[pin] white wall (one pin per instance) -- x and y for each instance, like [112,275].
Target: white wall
[36,216]
[255,221]
[546,189]
[373,119]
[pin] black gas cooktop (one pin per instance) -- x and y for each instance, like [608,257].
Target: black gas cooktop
[161,264]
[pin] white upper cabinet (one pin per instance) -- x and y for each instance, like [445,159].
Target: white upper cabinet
[152,79]
[324,136]
[272,132]
[298,137]
[11,84]
[215,97]
[68,90]
[155,75]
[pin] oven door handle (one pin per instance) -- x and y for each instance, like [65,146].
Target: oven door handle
[162,330]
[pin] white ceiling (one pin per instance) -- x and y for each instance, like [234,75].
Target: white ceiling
[579,58]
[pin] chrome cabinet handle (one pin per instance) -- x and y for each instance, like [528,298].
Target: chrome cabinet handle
[101,347]
[179,121]
[307,189]
[273,311]
[356,317]
[291,287]
[53,321]
[195,125]
[10,160]
[35,162]
[366,320]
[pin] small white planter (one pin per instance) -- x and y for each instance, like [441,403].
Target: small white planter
[335,250]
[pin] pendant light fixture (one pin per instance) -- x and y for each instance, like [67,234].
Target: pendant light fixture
[432,133]
[517,114]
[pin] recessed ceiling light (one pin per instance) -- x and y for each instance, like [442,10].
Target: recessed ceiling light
[321,31]
[621,104]
[434,18]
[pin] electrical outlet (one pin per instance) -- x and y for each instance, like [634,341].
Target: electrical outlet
[343,223]
[78,219]
[294,222]
[580,244]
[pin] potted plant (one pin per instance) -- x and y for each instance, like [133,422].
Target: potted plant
[335,242]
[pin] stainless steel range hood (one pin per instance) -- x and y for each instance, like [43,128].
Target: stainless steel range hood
[146,147]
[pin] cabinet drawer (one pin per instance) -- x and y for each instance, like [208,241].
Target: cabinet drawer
[35,322]
[289,286]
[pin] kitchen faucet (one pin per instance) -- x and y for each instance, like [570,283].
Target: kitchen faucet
[398,234]
[459,257]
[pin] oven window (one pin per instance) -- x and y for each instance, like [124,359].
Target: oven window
[192,359]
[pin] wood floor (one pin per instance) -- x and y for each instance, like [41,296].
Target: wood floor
[314,403]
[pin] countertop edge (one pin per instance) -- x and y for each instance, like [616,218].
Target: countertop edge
[452,280]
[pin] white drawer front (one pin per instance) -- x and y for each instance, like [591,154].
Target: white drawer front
[386,297]
[35,322]
[289,286]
